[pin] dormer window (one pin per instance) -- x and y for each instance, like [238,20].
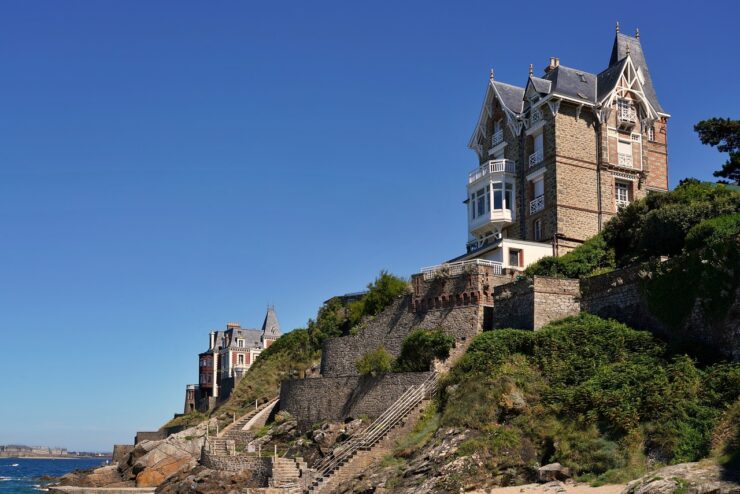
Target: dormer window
[240,343]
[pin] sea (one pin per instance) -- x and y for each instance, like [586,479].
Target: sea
[20,475]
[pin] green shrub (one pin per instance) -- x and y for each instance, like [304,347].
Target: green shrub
[659,224]
[421,347]
[593,394]
[375,362]
[713,231]
[592,256]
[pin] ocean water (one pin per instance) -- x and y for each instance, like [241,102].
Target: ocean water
[19,475]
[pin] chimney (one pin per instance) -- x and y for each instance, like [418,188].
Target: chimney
[232,325]
[213,340]
[554,63]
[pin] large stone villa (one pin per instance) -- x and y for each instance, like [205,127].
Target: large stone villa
[559,156]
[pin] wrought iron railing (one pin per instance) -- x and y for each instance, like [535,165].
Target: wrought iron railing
[537,204]
[535,157]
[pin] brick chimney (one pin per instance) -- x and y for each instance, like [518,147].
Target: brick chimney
[554,63]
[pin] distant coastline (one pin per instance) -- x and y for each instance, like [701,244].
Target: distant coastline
[58,457]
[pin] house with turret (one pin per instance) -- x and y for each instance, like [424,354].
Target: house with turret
[557,156]
[231,352]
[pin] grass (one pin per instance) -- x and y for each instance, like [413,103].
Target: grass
[421,434]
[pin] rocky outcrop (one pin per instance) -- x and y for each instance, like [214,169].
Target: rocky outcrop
[688,478]
[107,476]
[204,480]
[553,472]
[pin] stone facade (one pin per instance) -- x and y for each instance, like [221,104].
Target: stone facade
[338,398]
[582,145]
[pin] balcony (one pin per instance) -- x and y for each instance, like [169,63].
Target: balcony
[536,205]
[458,268]
[626,116]
[493,166]
[535,158]
[624,160]
[497,138]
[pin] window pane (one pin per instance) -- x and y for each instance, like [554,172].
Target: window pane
[497,199]
[539,188]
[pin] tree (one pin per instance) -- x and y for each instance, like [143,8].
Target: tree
[724,133]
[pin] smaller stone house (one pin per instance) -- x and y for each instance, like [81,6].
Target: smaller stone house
[230,354]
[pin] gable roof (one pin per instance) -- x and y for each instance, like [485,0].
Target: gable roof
[512,97]
[619,51]
[540,85]
[607,79]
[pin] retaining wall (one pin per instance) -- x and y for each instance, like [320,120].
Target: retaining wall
[390,327]
[531,304]
[339,398]
[261,467]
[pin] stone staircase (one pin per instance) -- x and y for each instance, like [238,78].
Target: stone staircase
[234,436]
[354,454]
[289,474]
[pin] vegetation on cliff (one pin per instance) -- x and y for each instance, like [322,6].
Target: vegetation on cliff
[595,395]
[670,224]
[300,349]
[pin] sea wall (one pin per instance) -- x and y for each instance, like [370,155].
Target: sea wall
[339,398]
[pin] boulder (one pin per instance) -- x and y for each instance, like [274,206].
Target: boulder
[553,472]
[167,458]
[693,478]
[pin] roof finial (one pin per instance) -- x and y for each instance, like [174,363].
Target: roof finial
[491,77]
[628,49]
[617,27]
[637,33]
[530,69]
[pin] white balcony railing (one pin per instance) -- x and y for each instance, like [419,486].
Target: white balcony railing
[626,114]
[535,116]
[457,268]
[535,158]
[497,138]
[625,160]
[493,166]
[537,204]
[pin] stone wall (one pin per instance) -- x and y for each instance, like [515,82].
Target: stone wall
[616,295]
[261,467]
[474,286]
[121,452]
[531,304]
[149,436]
[338,398]
[389,328]
[554,298]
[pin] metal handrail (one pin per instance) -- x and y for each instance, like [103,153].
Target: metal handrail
[378,428]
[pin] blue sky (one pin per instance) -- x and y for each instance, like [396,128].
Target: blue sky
[166,167]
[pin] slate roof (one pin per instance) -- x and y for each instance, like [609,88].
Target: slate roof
[271,326]
[252,337]
[619,51]
[581,85]
[607,79]
[511,96]
[573,83]
[541,85]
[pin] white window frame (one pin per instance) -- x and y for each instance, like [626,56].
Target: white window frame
[622,193]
